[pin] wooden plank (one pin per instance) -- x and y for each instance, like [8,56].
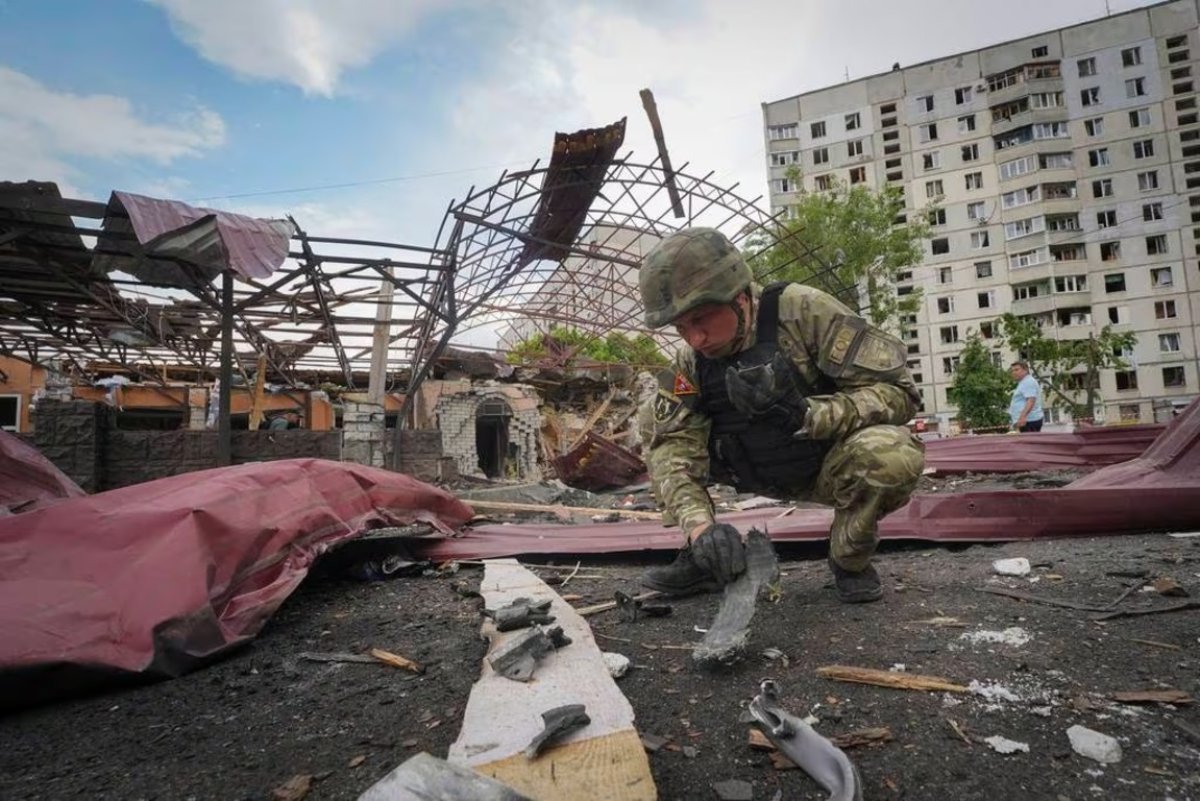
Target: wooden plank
[886,678]
[260,381]
[507,506]
[603,760]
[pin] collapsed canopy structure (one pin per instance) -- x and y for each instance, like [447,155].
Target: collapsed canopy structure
[130,283]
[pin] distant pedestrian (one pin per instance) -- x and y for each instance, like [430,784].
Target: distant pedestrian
[1025,408]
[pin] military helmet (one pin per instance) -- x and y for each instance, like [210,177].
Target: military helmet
[688,269]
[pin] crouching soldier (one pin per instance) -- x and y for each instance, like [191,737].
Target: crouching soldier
[781,391]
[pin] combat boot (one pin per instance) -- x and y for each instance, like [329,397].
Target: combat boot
[681,577]
[856,588]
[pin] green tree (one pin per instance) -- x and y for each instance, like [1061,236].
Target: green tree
[845,238]
[568,343]
[1067,366]
[981,388]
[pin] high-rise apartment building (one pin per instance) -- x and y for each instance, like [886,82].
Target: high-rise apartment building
[1065,173]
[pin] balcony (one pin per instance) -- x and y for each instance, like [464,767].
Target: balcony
[1042,304]
[1034,272]
[1029,117]
[1082,331]
[1022,88]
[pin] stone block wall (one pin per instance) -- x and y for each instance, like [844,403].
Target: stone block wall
[365,430]
[456,416]
[421,457]
[71,434]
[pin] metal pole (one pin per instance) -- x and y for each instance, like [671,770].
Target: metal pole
[224,432]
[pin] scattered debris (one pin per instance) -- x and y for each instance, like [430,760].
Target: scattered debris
[992,692]
[1094,745]
[875,735]
[1035,599]
[520,614]
[653,742]
[294,788]
[423,776]
[726,637]
[607,605]
[564,512]
[395,660]
[1156,644]
[632,608]
[1180,607]
[356,761]
[1014,636]
[757,502]
[959,731]
[1166,585]
[617,664]
[734,790]
[312,656]
[1003,745]
[517,658]
[1152,697]
[1011,567]
[885,678]
[691,751]
[801,744]
[560,721]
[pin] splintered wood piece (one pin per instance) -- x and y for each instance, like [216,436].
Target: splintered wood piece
[603,760]
[395,660]
[860,737]
[759,742]
[887,678]
[1152,697]
[561,511]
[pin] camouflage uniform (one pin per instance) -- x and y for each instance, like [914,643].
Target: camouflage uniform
[873,461]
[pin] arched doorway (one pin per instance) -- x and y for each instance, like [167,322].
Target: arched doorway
[491,436]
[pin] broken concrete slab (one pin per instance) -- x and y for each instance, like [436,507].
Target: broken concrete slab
[1094,745]
[426,778]
[1011,567]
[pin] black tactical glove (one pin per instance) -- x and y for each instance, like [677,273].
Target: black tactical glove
[720,551]
[768,391]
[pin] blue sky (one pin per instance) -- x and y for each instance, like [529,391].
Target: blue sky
[228,102]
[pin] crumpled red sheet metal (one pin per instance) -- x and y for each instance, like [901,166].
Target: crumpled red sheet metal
[1007,453]
[1158,491]
[28,480]
[155,579]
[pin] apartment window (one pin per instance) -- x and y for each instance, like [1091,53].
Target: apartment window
[1094,127]
[974,180]
[986,300]
[789,131]
[939,246]
[1086,66]
[945,305]
[948,334]
[975,211]
[1143,149]
[1026,258]
[1090,96]
[1147,181]
[945,275]
[1025,227]
[1168,343]
[823,183]
[783,185]
[934,188]
[1041,51]
[1051,130]
[937,217]
[1056,161]
[1131,57]
[931,161]
[1174,377]
[970,152]
[10,413]
[1102,187]
[987,330]
[915,347]
[1098,157]
[928,133]
[854,148]
[1139,118]
[1025,291]
[1118,315]
[1070,283]
[1164,310]
[1106,219]
[817,129]
[1135,87]
[1156,245]
[1152,212]
[1126,379]
[858,175]
[1017,167]
[1114,282]
[962,95]
[979,240]
[966,124]
[785,158]
[1110,251]
[853,122]
[1161,277]
[821,155]
[925,103]
[950,364]
[983,269]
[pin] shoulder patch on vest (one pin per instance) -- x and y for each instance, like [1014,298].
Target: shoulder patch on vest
[880,353]
[683,386]
[666,406]
[841,347]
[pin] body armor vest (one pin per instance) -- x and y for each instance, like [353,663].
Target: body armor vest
[751,454]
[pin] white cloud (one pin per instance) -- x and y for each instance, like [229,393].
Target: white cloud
[307,43]
[43,130]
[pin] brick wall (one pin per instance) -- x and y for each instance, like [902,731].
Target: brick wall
[456,419]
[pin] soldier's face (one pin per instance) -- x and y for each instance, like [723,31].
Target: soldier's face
[708,329]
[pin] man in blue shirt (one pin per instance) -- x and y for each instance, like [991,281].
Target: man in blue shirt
[1025,409]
